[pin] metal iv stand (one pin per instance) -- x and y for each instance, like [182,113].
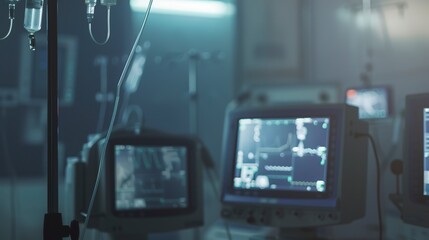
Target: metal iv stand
[193,58]
[53,228]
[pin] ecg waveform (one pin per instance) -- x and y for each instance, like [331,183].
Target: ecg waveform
[279,168]
[282,154]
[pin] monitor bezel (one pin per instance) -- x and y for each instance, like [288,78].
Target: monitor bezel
[414,155]
[389,100]
[281,196]
[153,142]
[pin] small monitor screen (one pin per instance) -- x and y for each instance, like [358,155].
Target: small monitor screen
[372,102]
[426,151]
[282,154]
[150,177]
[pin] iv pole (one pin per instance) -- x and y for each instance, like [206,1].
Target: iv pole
[53,228]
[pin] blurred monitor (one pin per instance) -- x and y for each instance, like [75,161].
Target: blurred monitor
[294,167]
[373,102]
[151,183]
[416,160]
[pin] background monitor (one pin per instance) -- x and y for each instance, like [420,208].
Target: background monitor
[294,166]
[416,161]
[373,102]
[151,183]
[151,178]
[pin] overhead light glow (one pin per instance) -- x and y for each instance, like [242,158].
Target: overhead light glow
[199,8]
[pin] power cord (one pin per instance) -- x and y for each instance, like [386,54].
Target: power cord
[377,161]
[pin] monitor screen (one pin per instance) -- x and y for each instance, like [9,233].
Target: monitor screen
[150,177]
[426,151]
[373,102]
[282,154]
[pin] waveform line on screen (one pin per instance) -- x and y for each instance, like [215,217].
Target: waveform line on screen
[320,151]
[278,168]
[303,183]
